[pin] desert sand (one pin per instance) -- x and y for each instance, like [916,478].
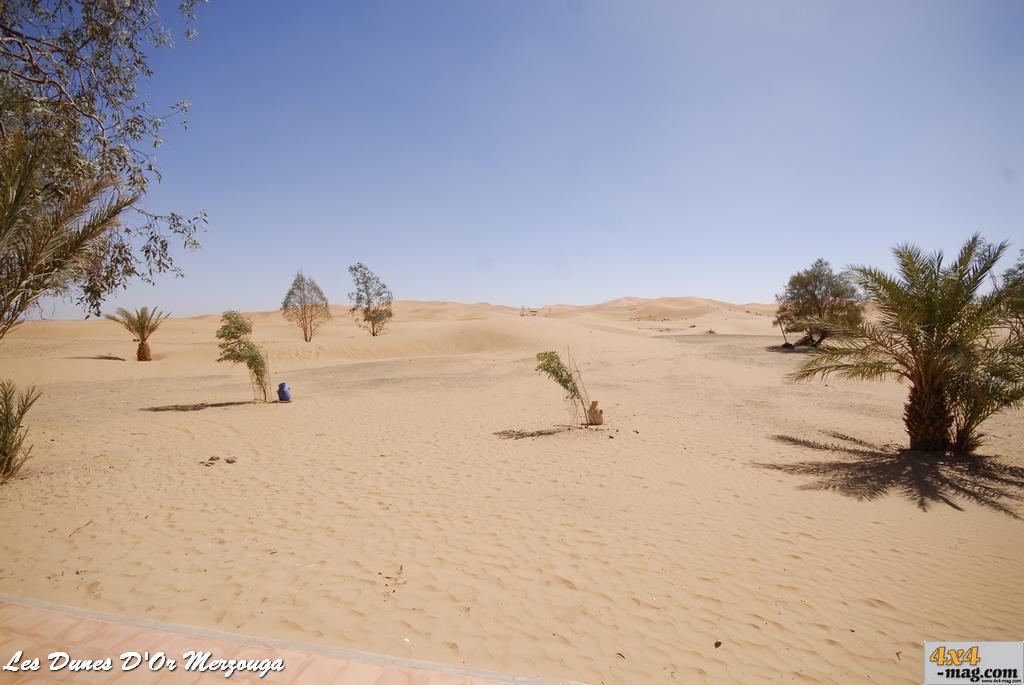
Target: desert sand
[381,511]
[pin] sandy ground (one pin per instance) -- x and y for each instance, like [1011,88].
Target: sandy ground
[380,511]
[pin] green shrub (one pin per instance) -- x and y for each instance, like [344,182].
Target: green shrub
[551,365]
[371,300]
[236,347]
[567,376]
[13,408]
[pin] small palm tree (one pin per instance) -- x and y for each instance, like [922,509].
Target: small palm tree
[13,408]
[934,330]
[141,323]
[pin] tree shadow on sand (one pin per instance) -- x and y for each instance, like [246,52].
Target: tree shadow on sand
[866,471]
[196,407]
[779,349]
[103,357]
[520,434]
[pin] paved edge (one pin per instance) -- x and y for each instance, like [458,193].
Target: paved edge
[285,645]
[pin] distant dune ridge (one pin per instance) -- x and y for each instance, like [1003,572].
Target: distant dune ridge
[420,328]
[382,510]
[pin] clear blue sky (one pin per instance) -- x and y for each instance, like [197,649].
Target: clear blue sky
[532,152]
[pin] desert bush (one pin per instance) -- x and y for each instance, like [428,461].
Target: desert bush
[818,295]
[142,324]
[935,330]
[237,347]
[551,365]
[567,376]
[13,408]
[306,305]
[371,300]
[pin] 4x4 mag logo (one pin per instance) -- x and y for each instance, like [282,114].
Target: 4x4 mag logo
[943,656]
[960,663]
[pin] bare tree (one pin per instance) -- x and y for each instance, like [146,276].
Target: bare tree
[371,300]
[306,305]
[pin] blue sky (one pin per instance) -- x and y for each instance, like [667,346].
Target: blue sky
[532,152]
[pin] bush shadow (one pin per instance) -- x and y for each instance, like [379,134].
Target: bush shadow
[865,471]
[197,407]
[512,434]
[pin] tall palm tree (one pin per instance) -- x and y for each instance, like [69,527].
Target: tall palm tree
[141,323]
[48,240]
[934,329]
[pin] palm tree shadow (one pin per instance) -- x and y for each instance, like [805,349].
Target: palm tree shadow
[866,471]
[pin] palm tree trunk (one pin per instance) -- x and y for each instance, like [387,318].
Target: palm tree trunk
[927,417]
[143,354]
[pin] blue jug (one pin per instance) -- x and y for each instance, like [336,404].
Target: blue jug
[284,393]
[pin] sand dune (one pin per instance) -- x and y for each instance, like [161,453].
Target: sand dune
[380,511]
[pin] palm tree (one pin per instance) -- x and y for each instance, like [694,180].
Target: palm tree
[48,240]
[141,323]
[934,330]
[1014,280]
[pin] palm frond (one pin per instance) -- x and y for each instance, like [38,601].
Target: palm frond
[958,347]
[875,349]
[141,323]
[47,242]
